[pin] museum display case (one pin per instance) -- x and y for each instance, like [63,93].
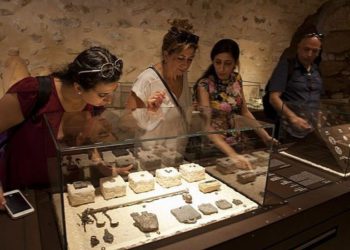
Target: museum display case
[122,179]
[326,143]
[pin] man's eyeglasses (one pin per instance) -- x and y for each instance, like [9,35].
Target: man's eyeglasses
[107,70]
[318,35]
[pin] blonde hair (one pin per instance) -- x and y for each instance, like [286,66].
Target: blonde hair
[180,36]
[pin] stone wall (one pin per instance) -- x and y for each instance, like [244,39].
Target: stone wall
[335,23]
[49,33]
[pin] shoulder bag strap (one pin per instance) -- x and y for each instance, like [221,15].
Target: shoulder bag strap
[170,93]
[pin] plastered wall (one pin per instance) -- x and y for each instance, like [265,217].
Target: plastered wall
[49,33]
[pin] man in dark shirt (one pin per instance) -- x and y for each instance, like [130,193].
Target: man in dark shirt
[295,86]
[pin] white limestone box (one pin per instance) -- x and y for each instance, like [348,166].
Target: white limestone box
[142,181]
[192,172]
[168,177]
[111,187]
[79,196]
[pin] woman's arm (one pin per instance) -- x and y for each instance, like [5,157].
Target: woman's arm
[10,112]
[133,101]
[260,132]
[218,140]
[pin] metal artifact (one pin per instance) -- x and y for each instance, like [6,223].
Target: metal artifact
[94,241]
[111,223]
[108,237]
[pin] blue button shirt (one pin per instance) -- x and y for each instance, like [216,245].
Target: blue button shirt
[303,88]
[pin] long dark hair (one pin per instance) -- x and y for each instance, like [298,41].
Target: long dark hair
[222,46]
[90,59]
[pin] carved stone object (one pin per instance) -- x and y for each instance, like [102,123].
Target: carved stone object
[80,193]
[186,214]
[172,158]
[111,187]
[168,177]
[223,204]
[207,209]
[209,186]
[246,177]
[146,222]
[192,172]
[142,181]
[226,165]
[187,198]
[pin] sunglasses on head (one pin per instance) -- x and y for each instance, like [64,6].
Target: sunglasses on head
[107,70]
[314,34]
[184,37]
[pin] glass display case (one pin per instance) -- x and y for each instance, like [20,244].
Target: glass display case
[121,178]
[325,144]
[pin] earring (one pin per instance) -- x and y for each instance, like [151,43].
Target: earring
[79,93]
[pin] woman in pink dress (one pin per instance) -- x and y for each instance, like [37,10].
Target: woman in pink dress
[88,82]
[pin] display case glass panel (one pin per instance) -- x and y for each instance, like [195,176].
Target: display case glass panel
[122,178]
[325,143]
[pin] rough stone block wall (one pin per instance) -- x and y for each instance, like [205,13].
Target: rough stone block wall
[49,33]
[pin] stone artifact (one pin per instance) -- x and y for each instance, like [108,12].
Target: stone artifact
[80,184]
[120,152]
[192,172]
[108,237]
[146,222]
[237,202]
[187,198]
[250,158]
[94,241]
[207,208]
[80,193]
[262,155]
[148,160]
[69,163]
[158,150]
[186,214]
[111,187]
[172,158]
[109,157]
[168,177]
[209,186]
[124,158]
[246,177]
[223,204]
[142,181]
[125,161]
[82,160]
[226,165]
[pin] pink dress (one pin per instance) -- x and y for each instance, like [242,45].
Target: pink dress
[31,145]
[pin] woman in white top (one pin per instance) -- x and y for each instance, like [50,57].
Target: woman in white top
[164,85]
[178,50]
